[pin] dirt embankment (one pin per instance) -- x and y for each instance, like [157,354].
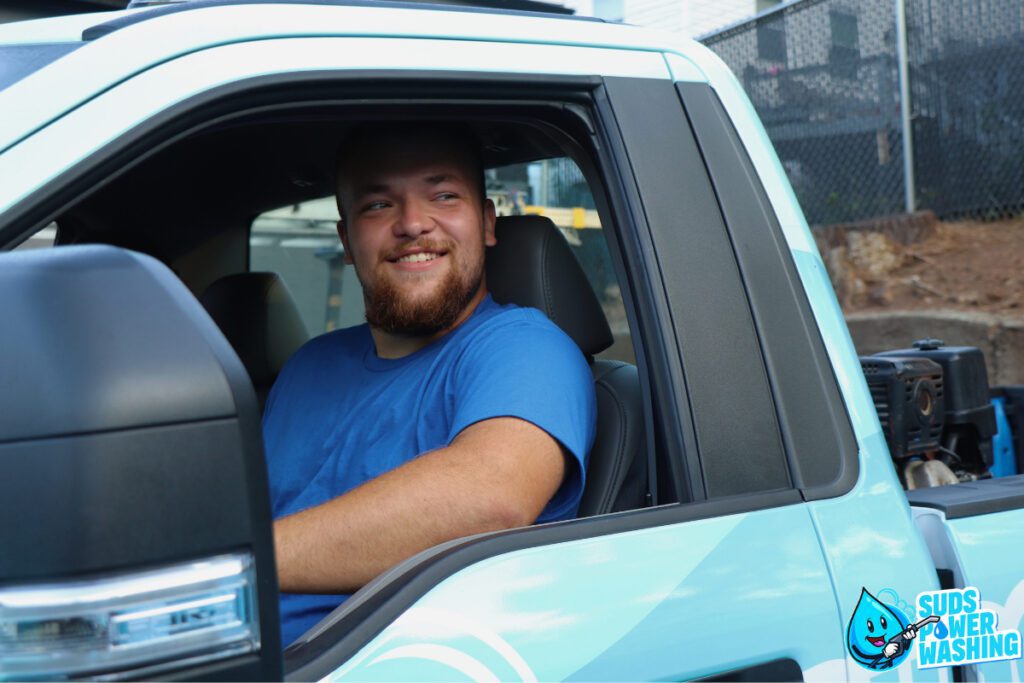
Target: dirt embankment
[911,277]
[916,262]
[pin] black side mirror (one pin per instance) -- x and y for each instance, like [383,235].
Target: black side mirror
[137,530]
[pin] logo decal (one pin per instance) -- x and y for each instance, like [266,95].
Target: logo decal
[967,633]
[951,629]
[879,636]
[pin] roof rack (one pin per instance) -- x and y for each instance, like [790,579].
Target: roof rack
[510,7]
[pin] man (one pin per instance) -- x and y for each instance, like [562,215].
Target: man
[445,415]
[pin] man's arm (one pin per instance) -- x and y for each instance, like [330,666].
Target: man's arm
[496,474]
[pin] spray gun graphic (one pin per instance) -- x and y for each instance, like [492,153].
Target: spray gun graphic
[900,642]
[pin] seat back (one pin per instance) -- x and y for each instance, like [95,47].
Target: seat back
[532,265]
[258,316]
[617,472]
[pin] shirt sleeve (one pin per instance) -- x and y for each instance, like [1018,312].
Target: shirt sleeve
[531,370]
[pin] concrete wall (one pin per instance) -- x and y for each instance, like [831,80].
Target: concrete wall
[1000,339]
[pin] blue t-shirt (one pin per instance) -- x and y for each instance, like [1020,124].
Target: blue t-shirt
[339,415]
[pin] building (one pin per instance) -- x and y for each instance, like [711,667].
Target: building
[19,10]
[690,17]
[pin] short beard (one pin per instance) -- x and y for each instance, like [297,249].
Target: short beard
[387,311]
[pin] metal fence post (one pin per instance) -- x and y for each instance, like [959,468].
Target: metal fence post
[903,65]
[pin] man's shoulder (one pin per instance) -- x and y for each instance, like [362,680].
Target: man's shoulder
[516,330]
[512,317]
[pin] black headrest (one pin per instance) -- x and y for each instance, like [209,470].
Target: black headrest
[257,314]
[532,265]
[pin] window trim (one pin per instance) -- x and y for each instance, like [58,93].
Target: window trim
[785,312]
[674,449]
[738,444]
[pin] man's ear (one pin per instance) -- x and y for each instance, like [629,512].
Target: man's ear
[490,217]
[343,234]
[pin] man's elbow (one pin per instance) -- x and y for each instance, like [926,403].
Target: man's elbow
[504,513]
[518,506]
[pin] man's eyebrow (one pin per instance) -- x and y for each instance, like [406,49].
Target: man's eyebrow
[369,188]
[439,178]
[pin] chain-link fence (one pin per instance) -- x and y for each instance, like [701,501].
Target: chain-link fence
[967,80]
[824,77]
[561,183]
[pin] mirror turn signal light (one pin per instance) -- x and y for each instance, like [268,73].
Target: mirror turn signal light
[133,624]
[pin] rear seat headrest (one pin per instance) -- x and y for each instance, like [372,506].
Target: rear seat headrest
[257,314]
[532,265]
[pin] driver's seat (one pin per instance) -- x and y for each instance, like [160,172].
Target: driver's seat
[532,265]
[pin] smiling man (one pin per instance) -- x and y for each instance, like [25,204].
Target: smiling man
[447,414]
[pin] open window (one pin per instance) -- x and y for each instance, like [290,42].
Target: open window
[253,192]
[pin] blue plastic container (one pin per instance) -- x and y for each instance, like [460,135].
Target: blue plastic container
[1004,460]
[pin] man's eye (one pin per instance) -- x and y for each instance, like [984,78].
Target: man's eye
[446,196]
[375,206]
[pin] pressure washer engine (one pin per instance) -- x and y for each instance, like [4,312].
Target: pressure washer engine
[936,414]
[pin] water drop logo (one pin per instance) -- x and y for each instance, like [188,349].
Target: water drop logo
[879,635]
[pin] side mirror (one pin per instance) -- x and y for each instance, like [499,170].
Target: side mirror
[137,529]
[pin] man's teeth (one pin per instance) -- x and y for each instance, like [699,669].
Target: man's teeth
[417,258]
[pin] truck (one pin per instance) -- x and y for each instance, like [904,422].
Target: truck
[743,517]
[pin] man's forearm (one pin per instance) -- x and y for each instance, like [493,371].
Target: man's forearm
[498,474]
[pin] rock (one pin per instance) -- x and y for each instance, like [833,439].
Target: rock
[880,296]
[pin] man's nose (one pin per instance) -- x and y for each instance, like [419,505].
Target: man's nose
[413,220]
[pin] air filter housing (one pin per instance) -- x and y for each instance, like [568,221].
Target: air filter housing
[908,395]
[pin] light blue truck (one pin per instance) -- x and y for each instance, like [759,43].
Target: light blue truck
[743,518]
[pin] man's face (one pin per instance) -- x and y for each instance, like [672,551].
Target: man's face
[415,227]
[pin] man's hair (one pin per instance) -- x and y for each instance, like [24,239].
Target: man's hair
[460,136]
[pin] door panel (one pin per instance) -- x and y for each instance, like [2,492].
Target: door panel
[673,602]
[870,542]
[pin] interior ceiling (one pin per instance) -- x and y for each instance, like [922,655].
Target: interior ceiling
[224,177]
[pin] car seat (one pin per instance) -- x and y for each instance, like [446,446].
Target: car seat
[533,265]
[259,318]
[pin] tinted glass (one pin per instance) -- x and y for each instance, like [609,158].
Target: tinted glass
[301,244]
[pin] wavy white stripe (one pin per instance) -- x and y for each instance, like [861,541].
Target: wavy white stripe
[442,654]
[431,620]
